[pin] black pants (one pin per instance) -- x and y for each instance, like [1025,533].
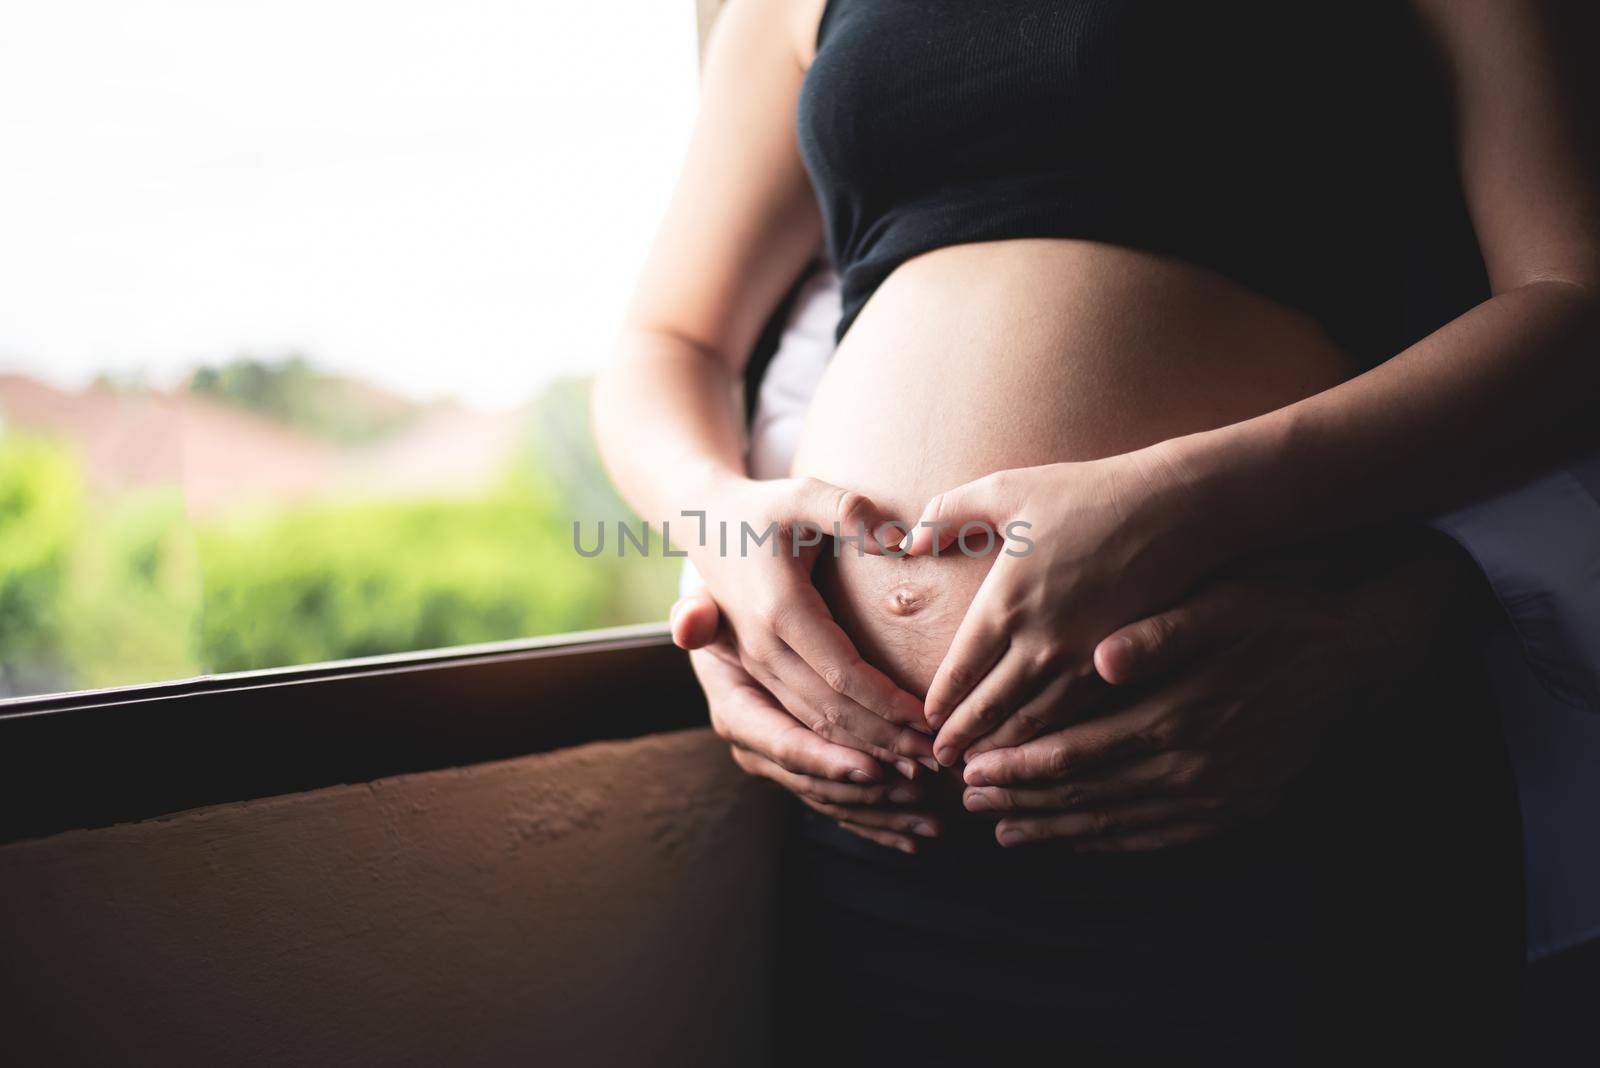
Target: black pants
[1559,994]
[1376,917]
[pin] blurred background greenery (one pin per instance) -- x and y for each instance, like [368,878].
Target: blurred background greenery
[104,586]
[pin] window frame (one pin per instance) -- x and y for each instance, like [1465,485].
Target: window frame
[101,757]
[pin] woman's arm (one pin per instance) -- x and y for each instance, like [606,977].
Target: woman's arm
[1502,392]
[741,223]
[1507,389]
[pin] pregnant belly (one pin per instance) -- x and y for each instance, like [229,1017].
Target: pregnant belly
[976,358]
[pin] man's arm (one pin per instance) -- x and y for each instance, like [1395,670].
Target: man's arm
[1241,680]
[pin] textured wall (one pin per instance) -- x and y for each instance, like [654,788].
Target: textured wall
[602,905]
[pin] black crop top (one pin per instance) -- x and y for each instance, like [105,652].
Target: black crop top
[1300,148]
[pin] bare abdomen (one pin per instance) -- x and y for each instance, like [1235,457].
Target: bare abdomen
[977,358]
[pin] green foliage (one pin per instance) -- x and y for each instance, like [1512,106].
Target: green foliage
[294,392]
[126,590]
[381,577]
[562,452]
[133,596]
[41,499]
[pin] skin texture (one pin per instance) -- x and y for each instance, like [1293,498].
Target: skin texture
[1498,392]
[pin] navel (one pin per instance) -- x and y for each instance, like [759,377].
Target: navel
[907,600]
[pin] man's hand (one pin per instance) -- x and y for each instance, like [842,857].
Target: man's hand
[859,793]
[1248,674]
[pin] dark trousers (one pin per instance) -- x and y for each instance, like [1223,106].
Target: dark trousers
[1375,917]
[1559,999]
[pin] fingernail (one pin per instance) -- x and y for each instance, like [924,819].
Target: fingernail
[1009,836]
[930,763]
[976,777]
[906,768]
[924,828]
[947,756]
[935,719]
[906,846]
[902,794]
[890,536]
[978,801]
[857,775]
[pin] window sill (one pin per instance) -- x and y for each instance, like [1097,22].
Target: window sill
[100,757]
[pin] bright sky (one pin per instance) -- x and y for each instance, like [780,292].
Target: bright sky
[444,196]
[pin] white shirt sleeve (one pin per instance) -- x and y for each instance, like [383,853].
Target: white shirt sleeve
[786,389]
[1539,546]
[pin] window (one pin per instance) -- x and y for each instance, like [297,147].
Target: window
[298,304]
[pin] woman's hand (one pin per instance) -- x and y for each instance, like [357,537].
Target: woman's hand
[696,625]
[759,574]
[839,782]
[1091,546]
[1252,672]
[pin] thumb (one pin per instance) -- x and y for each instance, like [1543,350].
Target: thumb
[850,516]
[1166,642]
[990,501]
[694,620]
